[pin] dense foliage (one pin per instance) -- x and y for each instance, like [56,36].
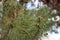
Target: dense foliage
[18,24]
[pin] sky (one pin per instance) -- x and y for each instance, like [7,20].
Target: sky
[36,3]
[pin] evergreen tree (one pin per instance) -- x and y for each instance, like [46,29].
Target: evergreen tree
[18,24]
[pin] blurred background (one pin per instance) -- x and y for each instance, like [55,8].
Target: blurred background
[29,20]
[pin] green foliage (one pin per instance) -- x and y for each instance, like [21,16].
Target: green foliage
[24,26]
